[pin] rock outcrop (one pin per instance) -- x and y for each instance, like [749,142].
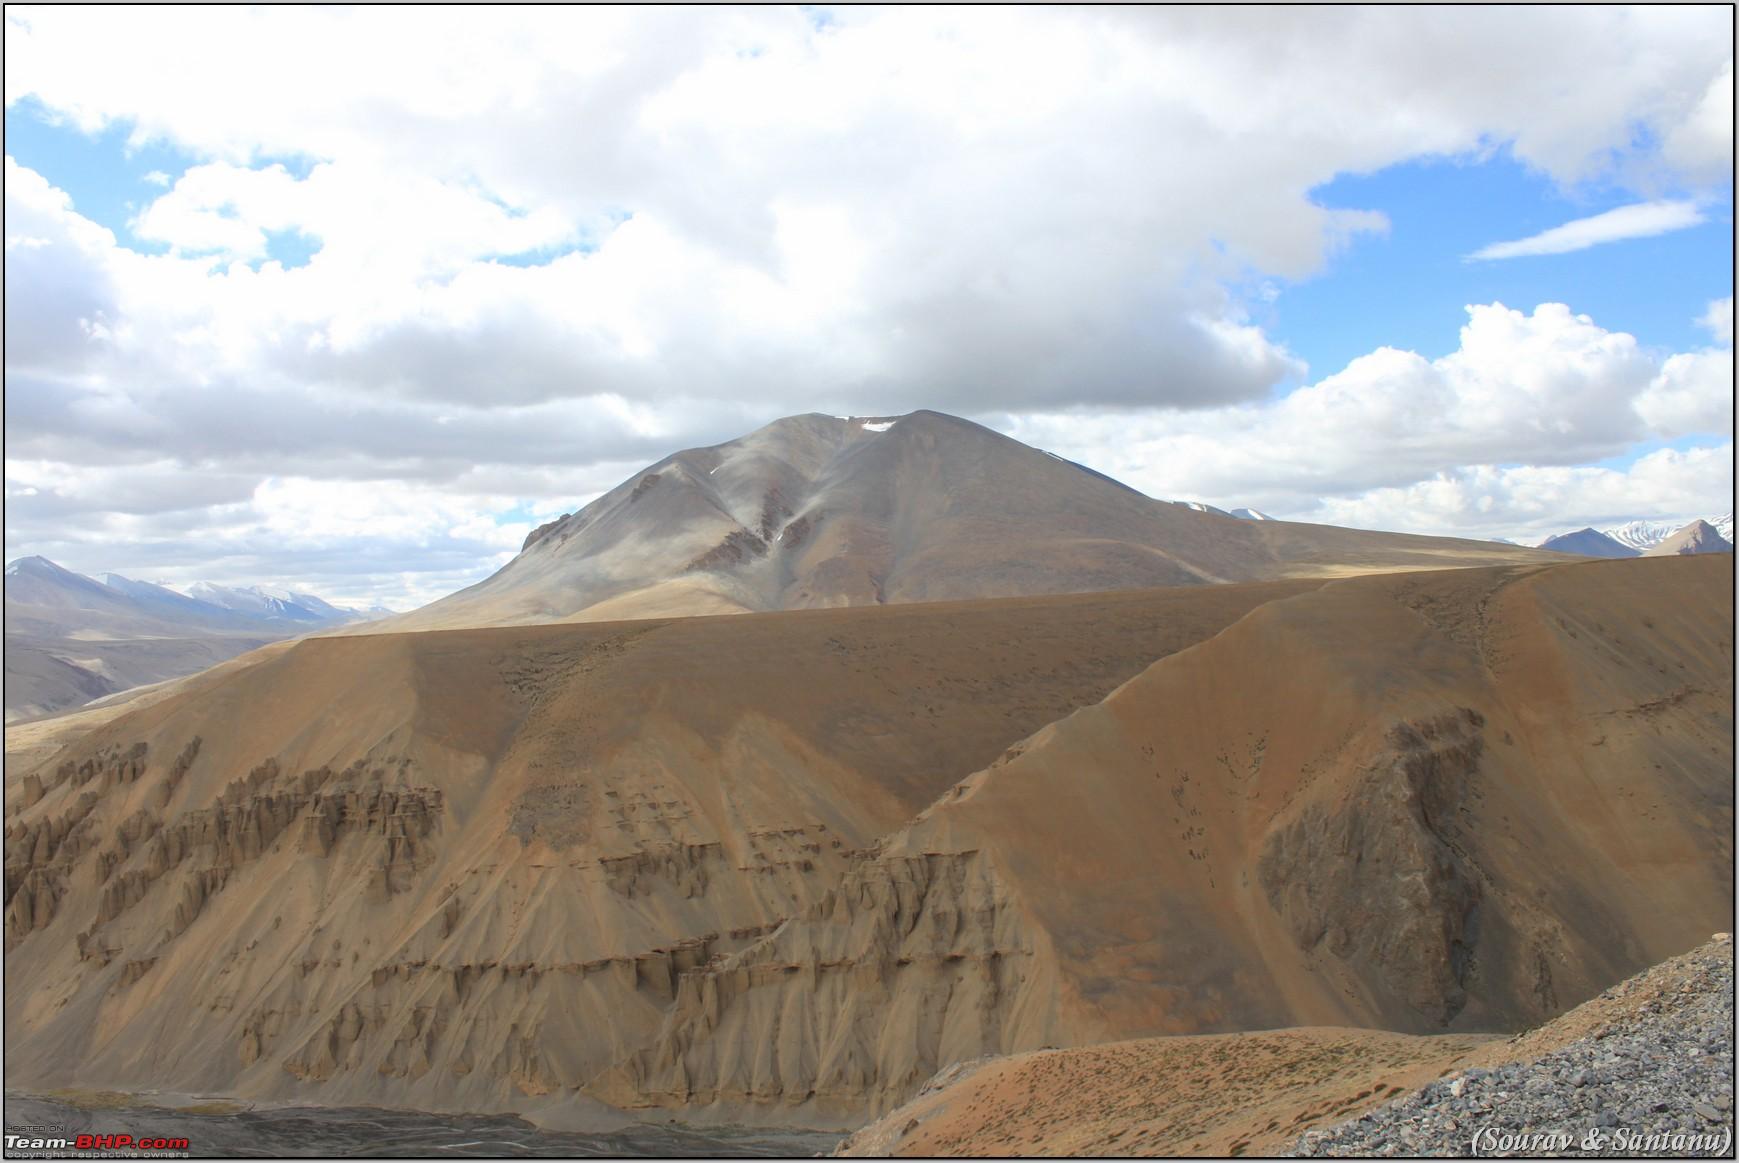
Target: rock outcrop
[913,962]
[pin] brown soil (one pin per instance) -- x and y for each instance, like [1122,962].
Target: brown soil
[1229,1094]
[1238,1094]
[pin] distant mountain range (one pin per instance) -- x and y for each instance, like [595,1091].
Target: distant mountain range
[72,638]
[1647,538]
[271,605]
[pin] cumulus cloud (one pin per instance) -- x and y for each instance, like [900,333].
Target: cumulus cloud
[409,224]
[1399,441]
[1528,503]
[1701,144]
[535,248]
[1693,393]
[1642,220]
[1719,320]
[60,294]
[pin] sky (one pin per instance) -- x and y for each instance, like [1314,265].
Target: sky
[351,299]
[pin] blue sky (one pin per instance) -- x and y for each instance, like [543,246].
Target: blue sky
[110,178]
[105,177]
[1407,288]
[556,244]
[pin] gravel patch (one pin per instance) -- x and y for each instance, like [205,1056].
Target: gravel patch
[1649,1073]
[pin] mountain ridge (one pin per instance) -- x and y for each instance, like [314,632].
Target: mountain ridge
[817,510]
[1588,542]
[71,638]
[1634,538]
[1697,537]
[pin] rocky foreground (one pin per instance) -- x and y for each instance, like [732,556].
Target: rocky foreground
[1647,1071]
[1645,1068]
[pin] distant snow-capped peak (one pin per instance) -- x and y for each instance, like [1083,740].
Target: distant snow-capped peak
[1643,535]
[273,602]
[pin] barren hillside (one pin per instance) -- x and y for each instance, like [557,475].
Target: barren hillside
[783,868]
[512,839]
[1252,1094]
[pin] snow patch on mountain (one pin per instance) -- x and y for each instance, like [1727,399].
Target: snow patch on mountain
[274,603]
[1201,508]
[1643,535]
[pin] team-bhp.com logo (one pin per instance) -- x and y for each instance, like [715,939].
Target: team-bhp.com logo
[24,1146]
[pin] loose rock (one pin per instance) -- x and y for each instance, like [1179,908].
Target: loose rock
[1654,1079]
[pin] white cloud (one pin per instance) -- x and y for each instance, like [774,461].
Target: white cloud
[1692,395]
[1399,441]
[58,279]
[407,226]
[1719,320]
[1528,503]
[1642,220]
[156,178]
[725,215]
[1701,145]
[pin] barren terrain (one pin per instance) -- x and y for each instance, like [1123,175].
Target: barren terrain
[1238,1094]
[781,869]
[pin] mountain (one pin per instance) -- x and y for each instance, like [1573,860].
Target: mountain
[71,638]
[1697,537]
[263,604]
[1642,536]
[37,581]
[817,511]
[176,607]
[1587,543]
[783,867]
[1252,515]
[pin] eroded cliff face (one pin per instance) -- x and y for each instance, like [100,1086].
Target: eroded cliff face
[1383,880]
[475,870]
[1362,806]
[914,961]
[787,870]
